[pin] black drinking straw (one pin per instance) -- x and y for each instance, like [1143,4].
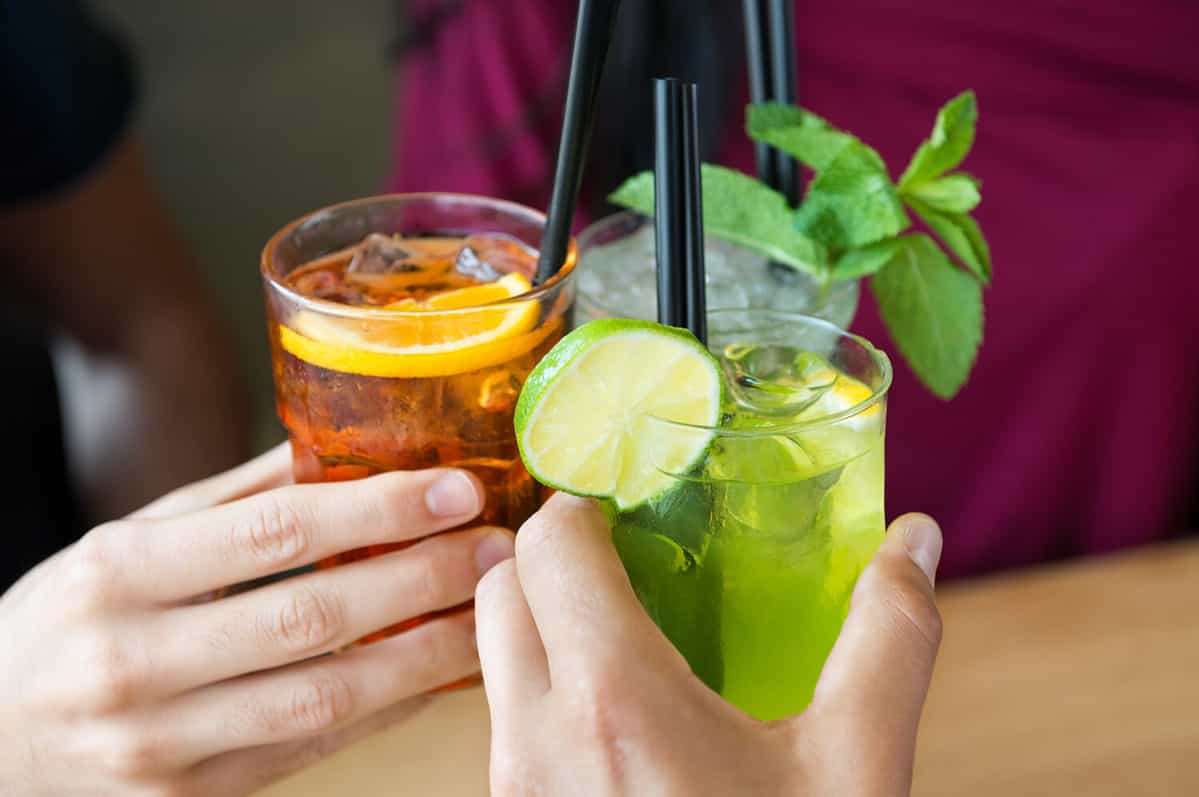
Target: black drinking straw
[782,80]
[678,211]
[695,304]
[697,598]
[757,50]
[770,49]
[593,33]
[670,234]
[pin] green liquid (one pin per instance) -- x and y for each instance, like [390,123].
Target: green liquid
[747,564]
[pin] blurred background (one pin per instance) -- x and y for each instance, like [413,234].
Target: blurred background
[254,114]
[1056,678]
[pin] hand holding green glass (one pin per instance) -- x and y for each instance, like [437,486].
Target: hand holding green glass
[744,489]
[744,480]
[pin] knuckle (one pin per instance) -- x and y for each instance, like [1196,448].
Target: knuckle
[539,538]
[321,704]
[533,534]
[597,711]
[309,621]
[93,568]
[393,491]
[133,753]
[429,650]
[447,648]
[111,682]
[435,574]
[496,582]
[559,520]
[391,500]
[913,608]
[277,534]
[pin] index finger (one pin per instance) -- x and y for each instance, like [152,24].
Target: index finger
[170,559]
[582,602]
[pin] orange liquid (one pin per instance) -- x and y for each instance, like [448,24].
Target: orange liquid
[348,426]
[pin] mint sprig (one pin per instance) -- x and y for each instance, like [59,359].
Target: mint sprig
[961,234]
[955,193]
[852,202]
[946,148]
[803,134]
[851,222]
[933,311]
[748,213]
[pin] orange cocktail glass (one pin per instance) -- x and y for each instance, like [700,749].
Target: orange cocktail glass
[402,328]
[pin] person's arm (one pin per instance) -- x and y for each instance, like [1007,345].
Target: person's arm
[101,261]
[588,697]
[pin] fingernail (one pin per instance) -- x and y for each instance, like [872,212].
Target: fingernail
[922,539]
[453,495]
[494,549]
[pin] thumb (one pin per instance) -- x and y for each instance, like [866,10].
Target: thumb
[875,681]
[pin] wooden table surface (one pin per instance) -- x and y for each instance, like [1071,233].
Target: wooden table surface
[1081,679]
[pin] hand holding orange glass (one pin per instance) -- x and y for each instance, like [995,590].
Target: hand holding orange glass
[402,329]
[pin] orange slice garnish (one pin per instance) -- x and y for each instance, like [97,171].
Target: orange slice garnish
[450,333]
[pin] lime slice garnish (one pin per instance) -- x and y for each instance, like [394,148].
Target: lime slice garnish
[585,422]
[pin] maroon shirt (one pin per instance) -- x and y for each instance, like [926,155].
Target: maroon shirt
[1077,431]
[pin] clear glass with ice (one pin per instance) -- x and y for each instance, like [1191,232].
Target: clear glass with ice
[616,277]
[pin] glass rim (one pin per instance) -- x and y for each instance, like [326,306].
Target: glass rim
[610,220]
[564,275]
[877,394]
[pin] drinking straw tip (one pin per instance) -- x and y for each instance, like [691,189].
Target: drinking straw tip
[593,35]
[678,211]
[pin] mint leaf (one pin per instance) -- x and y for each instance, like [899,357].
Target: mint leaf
[933,311]
[867,260]
[852,202]
[803,135]
[739,209]
[954,193]
[961,234]
[952,137]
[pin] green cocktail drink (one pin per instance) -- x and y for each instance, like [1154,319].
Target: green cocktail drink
[744,486]
[748,559]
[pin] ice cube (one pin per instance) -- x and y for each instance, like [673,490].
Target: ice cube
[469,264]
[775,381]
[327,285]
[381,254]
[617,279]
[499,392]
